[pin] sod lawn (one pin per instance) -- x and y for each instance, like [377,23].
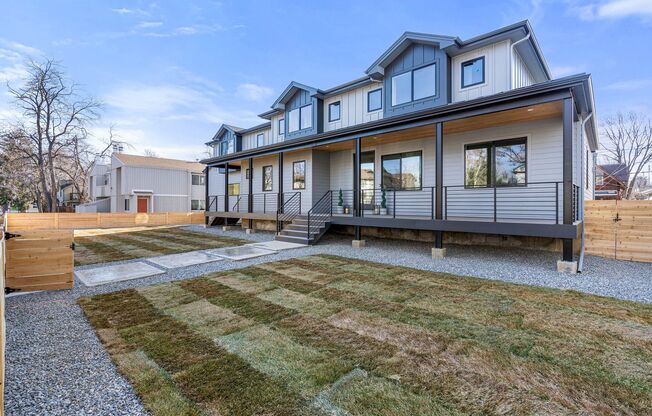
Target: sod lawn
[107,247]
[331,335]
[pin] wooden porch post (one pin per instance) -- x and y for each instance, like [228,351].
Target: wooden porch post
[567,145]
[439,181]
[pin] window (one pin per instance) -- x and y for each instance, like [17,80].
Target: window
[299,175]
[247,173]
[126,204]
[402,171]
[260,139]
[374,100]
[227,146]
[334,111]
[402,88]
[425,82]
[197,205]
[281,127]
[234,189]
[501,163]
[267,178]
[473,72]
[306,116]
[293,120]
[198,180]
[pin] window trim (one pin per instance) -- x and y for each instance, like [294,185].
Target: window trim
[379,90]
[330,113]
[484,71]
[271,170]
[258,137]
[199,203]
[401,155]
[491,168]
[411,71]
[304,174]
[202,179]
[281,122]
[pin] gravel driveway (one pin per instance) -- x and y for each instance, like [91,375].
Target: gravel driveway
[55,365]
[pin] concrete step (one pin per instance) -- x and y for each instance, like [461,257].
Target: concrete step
[290,239]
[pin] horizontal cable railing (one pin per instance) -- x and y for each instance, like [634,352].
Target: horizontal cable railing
[405,202]
[342,202]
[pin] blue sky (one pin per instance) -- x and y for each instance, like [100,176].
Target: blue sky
[170,72]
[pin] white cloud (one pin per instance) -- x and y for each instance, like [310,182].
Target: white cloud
[125,10]
[190,30]
[614,9]
[630,85]
[254,92]
[149,25]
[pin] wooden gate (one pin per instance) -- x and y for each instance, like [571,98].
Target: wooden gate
[619,230]
[39,260]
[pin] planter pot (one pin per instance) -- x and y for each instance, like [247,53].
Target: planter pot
[383,211]
[339,209]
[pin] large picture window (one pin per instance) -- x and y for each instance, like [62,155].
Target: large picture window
[402,171]
[414,85]
[267,178]
[299,175]
[293,120]
[502,163]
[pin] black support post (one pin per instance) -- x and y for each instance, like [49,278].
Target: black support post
[206,200]
[567,145]
[280,181]
[226,187]
[250,202]
[439,181]
[357,203]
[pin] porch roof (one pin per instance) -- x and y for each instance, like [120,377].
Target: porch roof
[577,86]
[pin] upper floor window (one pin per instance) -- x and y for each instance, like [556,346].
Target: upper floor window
[306,116]
[334,111]
[414,85]
[473,72]
[227,146]
[281,127]
[501,163]
[260,139]
[374,100]
[198,180]
[293,120]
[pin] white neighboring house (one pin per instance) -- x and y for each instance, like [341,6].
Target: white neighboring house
[134,183]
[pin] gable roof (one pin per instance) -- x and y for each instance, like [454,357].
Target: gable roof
[224,128]
[158,162]
[289,91]
[617,171]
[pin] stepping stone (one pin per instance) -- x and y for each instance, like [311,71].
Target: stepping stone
[191,258]
[241,252]
[117,273]
[277,245]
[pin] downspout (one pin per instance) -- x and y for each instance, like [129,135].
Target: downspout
[580,262]
[511,60]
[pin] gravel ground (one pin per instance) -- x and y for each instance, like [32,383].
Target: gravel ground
[55,364]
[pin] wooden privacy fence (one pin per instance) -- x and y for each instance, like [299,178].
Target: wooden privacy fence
[619,229]
[39,260]
[77,221]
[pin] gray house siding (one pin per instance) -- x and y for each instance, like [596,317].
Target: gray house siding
[321,173]
[416,56]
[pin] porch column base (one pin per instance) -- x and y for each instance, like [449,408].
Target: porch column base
[438,253]
[229,227]
[250,231]
[359,243]
[567,266]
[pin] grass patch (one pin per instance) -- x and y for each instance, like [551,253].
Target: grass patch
[325,334]
[149,243]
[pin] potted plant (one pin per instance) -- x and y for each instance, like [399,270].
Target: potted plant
[383,203]
[340,203]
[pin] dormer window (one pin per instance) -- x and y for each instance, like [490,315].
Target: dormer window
[300,118]
[414,85]
[227,146]
[306,117]
[473,72]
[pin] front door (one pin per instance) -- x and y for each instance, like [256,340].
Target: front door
[142,204]
[367,178]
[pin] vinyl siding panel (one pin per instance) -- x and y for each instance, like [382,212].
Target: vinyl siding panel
[521,76]
[353,109]
[160,181]
[320,174]
[171,203]
[497,67]
[276,137]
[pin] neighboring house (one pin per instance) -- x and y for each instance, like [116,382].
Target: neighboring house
[133,183]
[611,181]
[67,197]
[467,136]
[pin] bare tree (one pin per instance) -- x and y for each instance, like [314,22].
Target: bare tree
[627,139]
[149,153]
[54,120]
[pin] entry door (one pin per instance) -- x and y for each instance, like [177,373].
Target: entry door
[367,178]
[142,204]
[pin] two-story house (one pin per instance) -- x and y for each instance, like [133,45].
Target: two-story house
[439,134]
[132,183]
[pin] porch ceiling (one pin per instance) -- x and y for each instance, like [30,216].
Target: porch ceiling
[531,113]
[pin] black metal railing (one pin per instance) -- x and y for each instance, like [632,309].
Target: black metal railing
[320,212]
[405,202]
[262,202]
[342,202]
[289,210]
[265,202]
[236,206]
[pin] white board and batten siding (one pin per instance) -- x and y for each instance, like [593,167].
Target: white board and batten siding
[497,68]
[353,108]
[521,75]
[250,140]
